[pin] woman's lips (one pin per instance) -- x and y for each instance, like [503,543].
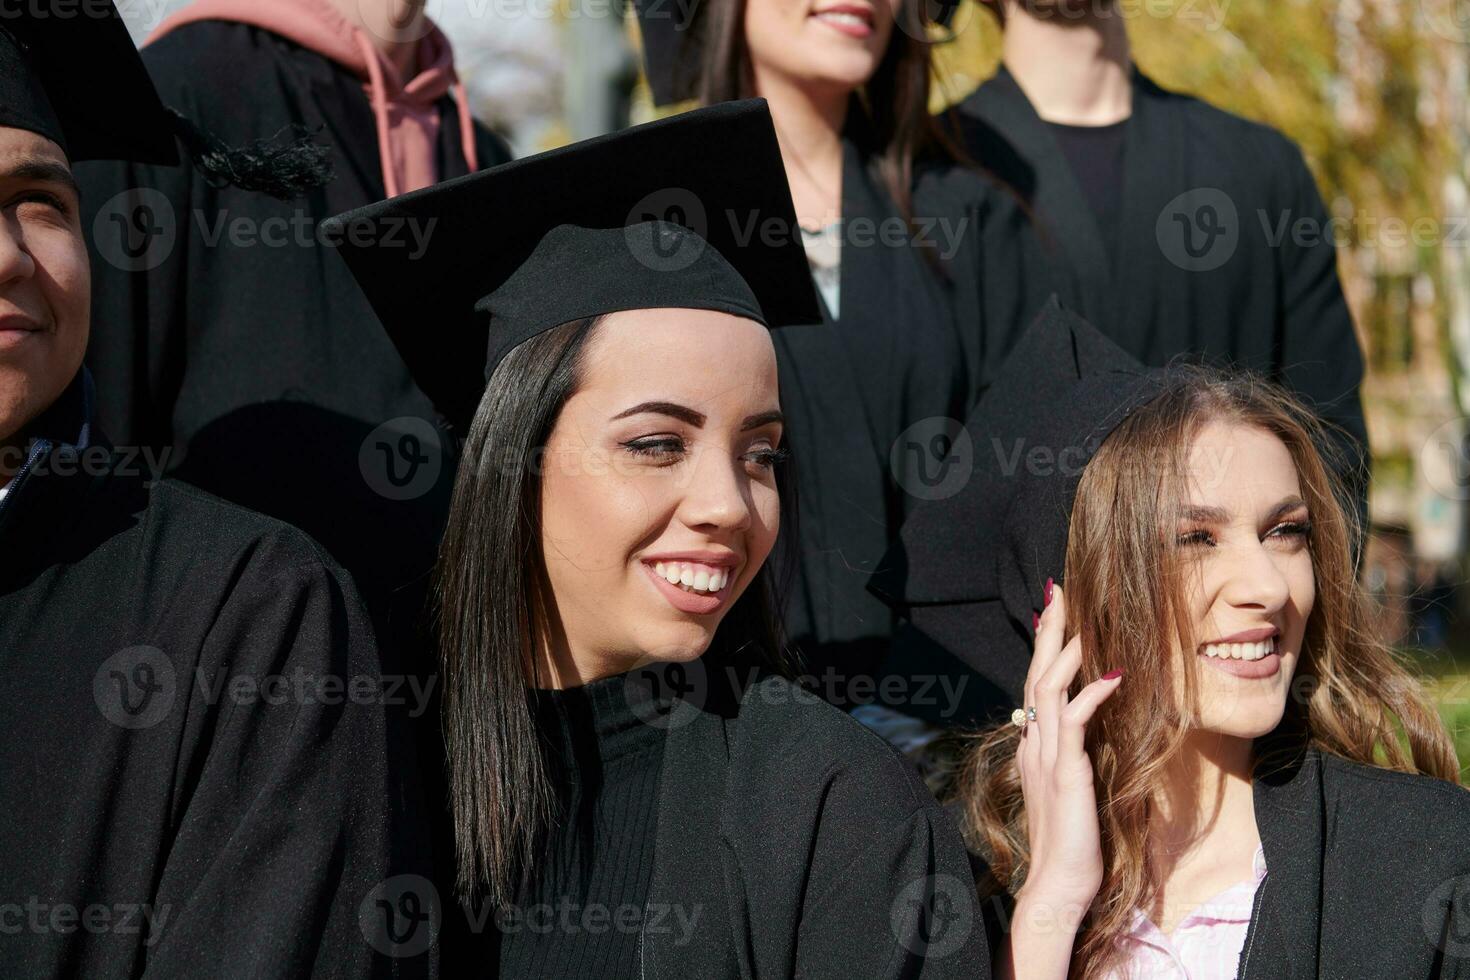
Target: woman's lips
[1266,666]
[696,603]
[846,22]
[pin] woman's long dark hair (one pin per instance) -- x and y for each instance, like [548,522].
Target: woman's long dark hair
[490,617]
[897,130]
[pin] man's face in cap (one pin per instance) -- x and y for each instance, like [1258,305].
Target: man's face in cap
[45,280]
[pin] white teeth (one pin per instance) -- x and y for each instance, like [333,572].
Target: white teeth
[694,578]
[1239,651]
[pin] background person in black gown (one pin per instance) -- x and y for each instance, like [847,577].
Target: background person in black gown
[915,318]
[186,786]
[229,332]
[227,328]
[1174,219]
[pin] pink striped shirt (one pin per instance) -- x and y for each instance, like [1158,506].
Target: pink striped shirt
[1205,945]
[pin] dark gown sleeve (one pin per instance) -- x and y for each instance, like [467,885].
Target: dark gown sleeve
[137,218]
[290,830]
[1320,354]
[904,906]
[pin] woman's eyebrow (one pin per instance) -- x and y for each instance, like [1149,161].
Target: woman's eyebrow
[697,419]
[763,418]
[686,415]
[1218,515]
[1204,515]
[1285,507]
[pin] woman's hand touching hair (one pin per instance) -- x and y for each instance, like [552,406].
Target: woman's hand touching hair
[1066,861]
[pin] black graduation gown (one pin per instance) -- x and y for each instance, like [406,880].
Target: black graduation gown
[1367,875]
[1274,304]
[242,348]
[170,809]
[262,366]
[873,397]
[805,845]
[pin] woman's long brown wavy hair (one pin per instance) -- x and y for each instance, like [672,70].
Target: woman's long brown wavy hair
[1351,697]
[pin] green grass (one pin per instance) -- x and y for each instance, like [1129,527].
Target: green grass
[1447,679]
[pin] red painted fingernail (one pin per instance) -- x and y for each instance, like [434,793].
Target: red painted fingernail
[1113,675]
[1047,593]
[1035,621]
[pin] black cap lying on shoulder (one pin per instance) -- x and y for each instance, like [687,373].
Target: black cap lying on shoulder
[692,212]
[970,569]
[70,72]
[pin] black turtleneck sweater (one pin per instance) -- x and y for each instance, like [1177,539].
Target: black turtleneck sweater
[582,911]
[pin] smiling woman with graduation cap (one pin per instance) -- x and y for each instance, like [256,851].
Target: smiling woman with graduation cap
[620,491]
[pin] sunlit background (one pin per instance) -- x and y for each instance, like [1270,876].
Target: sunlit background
[1375,91]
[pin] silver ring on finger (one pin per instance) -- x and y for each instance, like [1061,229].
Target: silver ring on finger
[1021,716]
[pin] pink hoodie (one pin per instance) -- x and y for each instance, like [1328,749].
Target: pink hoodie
[408,121]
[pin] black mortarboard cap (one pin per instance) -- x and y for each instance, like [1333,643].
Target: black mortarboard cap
[671,48]
[692,211]
[69,71]
[970,569]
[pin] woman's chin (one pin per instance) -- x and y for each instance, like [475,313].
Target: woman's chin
[1244,722]
[675,643]
[838,68]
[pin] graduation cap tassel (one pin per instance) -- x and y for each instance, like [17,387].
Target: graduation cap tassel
[284,171]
